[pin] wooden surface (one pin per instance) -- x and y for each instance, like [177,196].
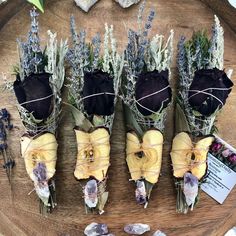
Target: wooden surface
[19,213]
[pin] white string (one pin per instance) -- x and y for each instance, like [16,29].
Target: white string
[203,91]
[149,95]
[96,94]
[36,100]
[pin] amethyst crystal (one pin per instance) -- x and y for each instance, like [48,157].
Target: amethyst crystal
[40,172]
[136,229]
[190,189]
[91,193]
[140,192]
[95,229]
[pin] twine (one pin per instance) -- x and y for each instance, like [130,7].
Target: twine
[86,161]
[143,149]
[204,92]
[190,150]
[36,100]
[96,94]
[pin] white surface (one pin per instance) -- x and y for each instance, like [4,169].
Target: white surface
[231,232]
[127,3]
[220,181]
[233,3]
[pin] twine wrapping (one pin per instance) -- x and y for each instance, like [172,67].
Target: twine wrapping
[93,158]
[149,164]
[189,156]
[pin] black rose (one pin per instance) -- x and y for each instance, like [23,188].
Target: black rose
[152,92]
[35,94]
[98,93]
[209,90]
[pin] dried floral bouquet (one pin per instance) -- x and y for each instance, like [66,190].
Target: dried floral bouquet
[203,89]
[146,97]
[93,90]
[39,79]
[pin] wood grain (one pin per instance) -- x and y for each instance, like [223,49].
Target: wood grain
[19,212]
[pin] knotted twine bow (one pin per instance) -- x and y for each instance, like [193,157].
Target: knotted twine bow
[93,158]
[188,156]
[149,164]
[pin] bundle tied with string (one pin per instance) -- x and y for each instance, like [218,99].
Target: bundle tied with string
[189,161]
[39,79]
[203,89]
[93,92]
[146,98]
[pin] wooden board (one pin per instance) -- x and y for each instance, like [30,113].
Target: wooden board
[19,213]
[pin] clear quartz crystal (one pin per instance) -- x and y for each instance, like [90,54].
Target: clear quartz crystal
[190,189]
[127,3]
[140,192]
[136,229]
[95,229]
[42,191]
[91,193]
[85,5]
[159,233]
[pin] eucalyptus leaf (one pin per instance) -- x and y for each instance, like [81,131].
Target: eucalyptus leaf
[103,196]
[102,201]
[80,119]
[131,122]
[181,123]
[148,187]
[38,3]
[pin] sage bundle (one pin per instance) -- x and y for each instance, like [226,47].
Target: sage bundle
[93,90]
[203,89]
[39,80]
[146,98]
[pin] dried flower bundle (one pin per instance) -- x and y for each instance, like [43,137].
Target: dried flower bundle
[39,79]
[146,96]
[203,90]
[93,90]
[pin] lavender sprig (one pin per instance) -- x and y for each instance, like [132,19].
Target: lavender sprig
[5,124]
[96,42]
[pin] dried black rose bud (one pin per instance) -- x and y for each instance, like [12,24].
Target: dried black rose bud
[35,94]
[148,98]
[209,90]
[98,93]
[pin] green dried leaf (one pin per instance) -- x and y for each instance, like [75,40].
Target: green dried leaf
[148,187]
[181,123]
[80,119]
[131,122]
[102,199]
[98,120]
[38,3]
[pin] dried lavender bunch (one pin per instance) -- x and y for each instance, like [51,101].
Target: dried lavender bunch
[146,96]
[87,63]
[93,90]
[39,80]
[5,125]
[143,56]
[203,89]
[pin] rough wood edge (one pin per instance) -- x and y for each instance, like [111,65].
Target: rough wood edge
[9,9]
[224,10]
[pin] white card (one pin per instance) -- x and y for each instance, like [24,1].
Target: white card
[220,181]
